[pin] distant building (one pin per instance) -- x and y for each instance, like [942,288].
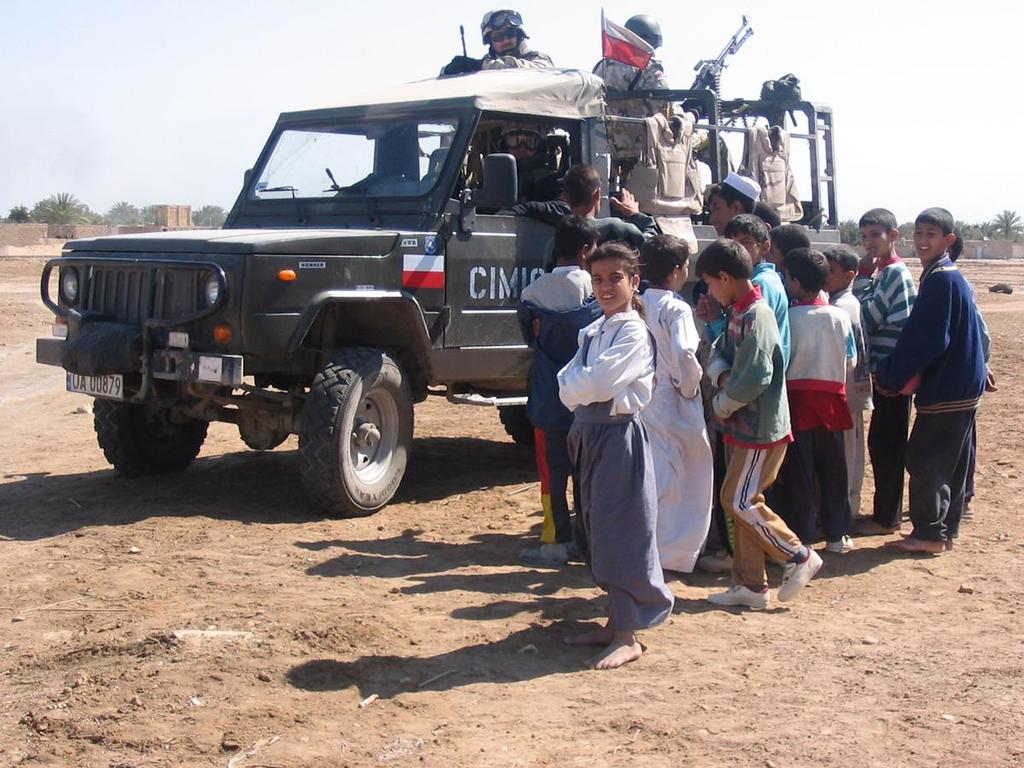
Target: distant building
[173,216]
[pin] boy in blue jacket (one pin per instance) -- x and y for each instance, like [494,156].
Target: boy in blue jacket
[939,356]
[552,310]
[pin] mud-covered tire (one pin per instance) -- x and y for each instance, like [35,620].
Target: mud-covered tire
[143,440]
[356,433]
[517,424]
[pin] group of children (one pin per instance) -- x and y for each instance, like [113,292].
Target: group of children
[621,385]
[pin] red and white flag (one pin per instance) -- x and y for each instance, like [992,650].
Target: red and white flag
[619,44]
[422,271]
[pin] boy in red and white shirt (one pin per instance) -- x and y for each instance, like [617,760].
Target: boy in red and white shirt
[823,352]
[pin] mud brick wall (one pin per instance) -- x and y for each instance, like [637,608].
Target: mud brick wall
[77,231]
[22,234]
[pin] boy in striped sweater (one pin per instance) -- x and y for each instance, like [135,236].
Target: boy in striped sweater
[940,357]
[886,298]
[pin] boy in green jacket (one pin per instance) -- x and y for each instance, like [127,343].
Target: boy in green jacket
[752,412]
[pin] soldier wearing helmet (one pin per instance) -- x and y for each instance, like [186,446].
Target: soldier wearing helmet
[618,76]
[503,33]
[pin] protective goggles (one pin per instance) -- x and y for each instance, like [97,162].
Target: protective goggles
[501,19]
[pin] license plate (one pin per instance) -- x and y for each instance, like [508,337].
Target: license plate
[111,386]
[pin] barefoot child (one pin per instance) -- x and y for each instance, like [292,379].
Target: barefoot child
[675,416]
[939,356]
[747,369]
[605,385]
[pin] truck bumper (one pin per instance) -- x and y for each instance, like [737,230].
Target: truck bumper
[167,364]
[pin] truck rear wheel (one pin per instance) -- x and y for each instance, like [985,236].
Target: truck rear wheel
[356,433]
[144,440]
[517,424]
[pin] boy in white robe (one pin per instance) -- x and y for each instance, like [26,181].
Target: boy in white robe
[675,416]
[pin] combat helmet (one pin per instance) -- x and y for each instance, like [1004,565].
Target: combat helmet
[646,27]
[499,19]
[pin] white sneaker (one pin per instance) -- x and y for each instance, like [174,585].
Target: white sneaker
[841,546]
[741,596]
[796,576]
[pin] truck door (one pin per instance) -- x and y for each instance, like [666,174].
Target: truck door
[486,270]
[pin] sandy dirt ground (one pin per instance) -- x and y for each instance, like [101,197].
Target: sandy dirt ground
[413,637]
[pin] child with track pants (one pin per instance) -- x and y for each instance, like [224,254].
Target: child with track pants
[605,385]
[751,411]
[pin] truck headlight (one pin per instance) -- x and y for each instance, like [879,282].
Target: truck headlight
[69,285]
[211,290]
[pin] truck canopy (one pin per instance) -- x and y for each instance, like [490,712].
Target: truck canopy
[547,92]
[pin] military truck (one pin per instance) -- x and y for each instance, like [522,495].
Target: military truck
[366,264]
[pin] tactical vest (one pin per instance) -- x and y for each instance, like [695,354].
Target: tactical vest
[766,160]
[666,181]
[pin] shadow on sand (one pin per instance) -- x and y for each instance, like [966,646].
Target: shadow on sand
[524,655]
[247,486]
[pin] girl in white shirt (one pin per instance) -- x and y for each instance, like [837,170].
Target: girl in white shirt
[675,416]
[605,385]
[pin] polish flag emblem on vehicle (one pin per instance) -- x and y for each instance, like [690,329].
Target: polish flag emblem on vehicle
[422,271]
[620,44]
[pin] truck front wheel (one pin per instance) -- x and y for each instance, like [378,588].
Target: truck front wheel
[356,433]
[145,440]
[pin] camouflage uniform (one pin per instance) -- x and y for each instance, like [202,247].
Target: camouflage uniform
[520,57]
[625,140]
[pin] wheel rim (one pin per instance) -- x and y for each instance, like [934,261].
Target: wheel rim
[374,436]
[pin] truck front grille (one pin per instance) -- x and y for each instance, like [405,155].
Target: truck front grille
[131,295]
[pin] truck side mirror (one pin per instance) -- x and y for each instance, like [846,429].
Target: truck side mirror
[501,183]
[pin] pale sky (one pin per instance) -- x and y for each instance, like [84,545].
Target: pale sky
[170,102]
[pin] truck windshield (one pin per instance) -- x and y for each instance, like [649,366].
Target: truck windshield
[382,158]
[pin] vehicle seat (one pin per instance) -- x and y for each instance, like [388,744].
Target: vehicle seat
[436,162]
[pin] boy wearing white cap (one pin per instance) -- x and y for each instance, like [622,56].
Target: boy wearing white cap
[735,195]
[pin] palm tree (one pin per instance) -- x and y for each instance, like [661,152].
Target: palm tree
[123,213]
[62,208]
[210,216]
[1008,225]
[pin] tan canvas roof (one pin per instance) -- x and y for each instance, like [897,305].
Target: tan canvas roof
[550,92]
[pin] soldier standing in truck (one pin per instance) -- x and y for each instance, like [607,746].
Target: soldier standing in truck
[503,33]
[626,140]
